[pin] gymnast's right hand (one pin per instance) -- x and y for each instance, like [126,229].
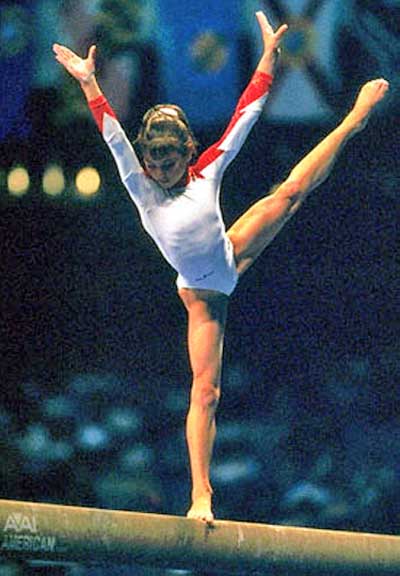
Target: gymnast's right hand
[82,69]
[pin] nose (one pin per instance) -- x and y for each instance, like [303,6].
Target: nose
[158,172]
[161,174]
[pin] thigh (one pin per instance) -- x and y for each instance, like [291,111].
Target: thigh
[258,226]
[207,311]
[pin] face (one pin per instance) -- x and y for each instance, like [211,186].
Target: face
[169,170]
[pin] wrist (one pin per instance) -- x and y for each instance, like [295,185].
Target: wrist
[90,88]
[87,79]
[268,61]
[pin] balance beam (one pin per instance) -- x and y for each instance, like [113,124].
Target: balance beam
[52,533]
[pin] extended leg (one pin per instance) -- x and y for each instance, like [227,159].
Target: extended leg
[206,324]
[253,231]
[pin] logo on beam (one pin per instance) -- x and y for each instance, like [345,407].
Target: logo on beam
[17,522]
[21,533]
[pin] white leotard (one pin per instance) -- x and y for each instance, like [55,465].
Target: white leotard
[187,224]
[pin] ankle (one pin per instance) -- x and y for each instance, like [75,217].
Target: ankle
[203,494]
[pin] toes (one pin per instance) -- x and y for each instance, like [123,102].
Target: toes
[202,515]
[206,518]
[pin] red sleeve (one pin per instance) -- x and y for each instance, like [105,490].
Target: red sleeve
[258,86]
[100,106]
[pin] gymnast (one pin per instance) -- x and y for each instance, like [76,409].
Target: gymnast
[177,197]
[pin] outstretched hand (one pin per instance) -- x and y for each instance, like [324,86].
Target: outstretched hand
[82,69]
[271,39]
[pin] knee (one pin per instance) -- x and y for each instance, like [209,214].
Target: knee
[205,394]
[290,190]
[289,193]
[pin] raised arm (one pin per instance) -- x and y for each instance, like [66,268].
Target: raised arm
[83,70]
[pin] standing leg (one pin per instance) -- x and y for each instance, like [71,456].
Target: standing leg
[206,324]
[253,231]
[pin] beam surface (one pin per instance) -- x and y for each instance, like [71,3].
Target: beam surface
[51,532]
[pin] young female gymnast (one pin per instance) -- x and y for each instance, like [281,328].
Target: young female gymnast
[178,202]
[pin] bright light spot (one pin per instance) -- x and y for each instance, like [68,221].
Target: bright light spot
[53,180]
[18,181]
[88,181]
[92,437]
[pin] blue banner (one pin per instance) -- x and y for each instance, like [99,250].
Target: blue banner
[15,68]
[198,45]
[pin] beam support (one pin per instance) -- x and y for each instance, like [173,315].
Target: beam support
[50,532]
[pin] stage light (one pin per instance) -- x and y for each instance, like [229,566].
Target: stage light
[88,182]
[18,181]
[53,181]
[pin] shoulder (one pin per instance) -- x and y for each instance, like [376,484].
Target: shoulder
[205,160]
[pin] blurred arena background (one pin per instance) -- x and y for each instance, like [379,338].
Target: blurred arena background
[94,376]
